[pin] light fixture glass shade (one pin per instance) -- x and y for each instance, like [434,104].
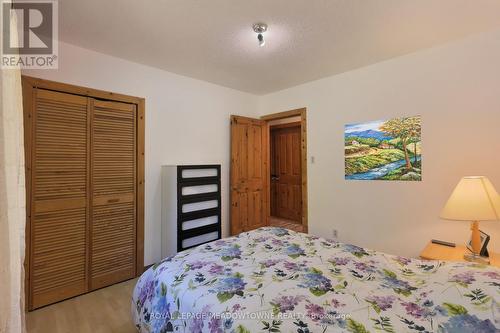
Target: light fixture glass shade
[474,199]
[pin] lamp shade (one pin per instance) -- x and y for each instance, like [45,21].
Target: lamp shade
[474,199]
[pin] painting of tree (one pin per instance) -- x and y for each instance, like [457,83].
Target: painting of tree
[407,130]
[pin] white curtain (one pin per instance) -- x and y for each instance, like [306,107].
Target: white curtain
[12,201]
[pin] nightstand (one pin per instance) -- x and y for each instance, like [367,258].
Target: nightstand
[440,252]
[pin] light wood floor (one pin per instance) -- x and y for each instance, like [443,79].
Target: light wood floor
[105,310]
[289,224]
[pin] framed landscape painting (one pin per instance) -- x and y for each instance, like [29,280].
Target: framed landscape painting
[384,150]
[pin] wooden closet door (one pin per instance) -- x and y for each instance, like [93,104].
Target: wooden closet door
[113,226]
[59,209]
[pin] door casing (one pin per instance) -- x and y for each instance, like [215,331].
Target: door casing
[302,113]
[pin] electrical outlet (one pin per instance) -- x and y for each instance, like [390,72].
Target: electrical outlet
[335,233]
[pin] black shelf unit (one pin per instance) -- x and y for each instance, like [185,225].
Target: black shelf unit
[182,218]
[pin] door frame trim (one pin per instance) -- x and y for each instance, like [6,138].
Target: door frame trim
[287,125]
[302,112]
[29,84]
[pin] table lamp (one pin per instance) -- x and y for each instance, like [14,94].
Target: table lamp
[474,199]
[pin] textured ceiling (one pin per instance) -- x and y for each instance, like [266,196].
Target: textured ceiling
[212,40]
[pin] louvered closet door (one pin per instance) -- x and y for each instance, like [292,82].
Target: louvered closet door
[59,212]
[113,226]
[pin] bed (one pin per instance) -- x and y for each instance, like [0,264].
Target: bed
[277,280]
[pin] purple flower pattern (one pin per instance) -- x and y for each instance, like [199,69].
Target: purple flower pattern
[381,303]
[283,272]
[464,278]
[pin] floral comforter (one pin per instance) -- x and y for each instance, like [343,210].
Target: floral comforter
[277,280]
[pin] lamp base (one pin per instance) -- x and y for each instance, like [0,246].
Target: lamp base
[476,258]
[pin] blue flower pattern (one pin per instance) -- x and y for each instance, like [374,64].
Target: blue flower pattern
[281,271]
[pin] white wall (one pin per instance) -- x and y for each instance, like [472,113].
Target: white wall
[456,89]
[187,120]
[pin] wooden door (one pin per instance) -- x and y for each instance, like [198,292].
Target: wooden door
[286,188]
[249,174]
[113,227]
[84,161]
[59,212]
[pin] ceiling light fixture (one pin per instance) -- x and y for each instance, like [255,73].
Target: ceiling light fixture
[259,29]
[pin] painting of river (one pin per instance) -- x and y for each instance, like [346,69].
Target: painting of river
[384,150]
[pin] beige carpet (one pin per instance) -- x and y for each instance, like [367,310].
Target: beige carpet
[105,310]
